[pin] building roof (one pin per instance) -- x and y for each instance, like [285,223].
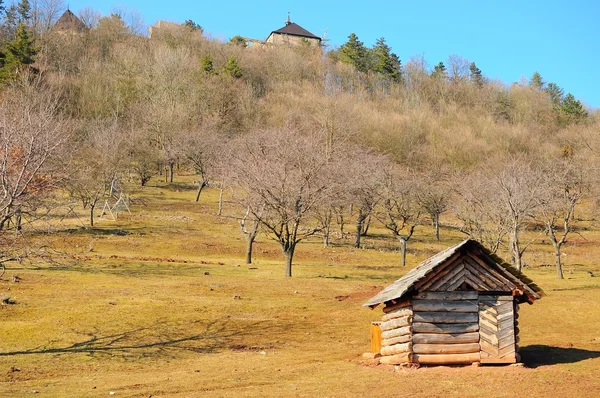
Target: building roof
[427,269]
[69,21]
[294,29]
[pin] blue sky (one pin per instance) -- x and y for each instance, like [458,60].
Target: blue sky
[508,39]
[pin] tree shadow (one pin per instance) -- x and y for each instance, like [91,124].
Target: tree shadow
[543,355]
[162,339]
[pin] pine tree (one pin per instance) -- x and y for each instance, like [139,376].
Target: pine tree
[24,11]
[386,62]
[476,76]
[355,53]
[572,109]
[537,81]
[439,71]
[206,63]
[232,68]
[18,53]
[555,92]
[193,25]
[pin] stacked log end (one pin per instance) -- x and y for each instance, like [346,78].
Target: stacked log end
[396,334]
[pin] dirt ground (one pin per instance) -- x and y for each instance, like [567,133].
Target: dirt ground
[160,303]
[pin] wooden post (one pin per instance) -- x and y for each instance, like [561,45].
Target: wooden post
[375,337]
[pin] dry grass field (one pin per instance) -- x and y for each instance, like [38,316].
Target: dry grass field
[160,303]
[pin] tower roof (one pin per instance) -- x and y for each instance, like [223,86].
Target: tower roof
[294,29]
[69,22]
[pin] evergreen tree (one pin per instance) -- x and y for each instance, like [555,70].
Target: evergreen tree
[555,92]
[476,76]
[232,68]
[238,41]
[439,71]
[206,63]
[572,109]
[193,25]
[24,11]
[355,53]
[18,53]
[537,81]
[386,62]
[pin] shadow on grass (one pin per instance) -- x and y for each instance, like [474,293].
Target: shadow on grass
[160,340]
[96,231]
[543,355]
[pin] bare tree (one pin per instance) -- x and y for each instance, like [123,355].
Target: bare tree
[434,196]
[44,13]
[400,210]
[458,68]
[250,227]
[478,208]
[33,136]
[365,173]
[90,17]
[203,149]
[284,174]
[97,162]
[566,185]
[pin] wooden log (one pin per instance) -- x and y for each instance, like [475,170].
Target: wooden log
[447,296]
[388,334]
[440,272]
[485,275]
[423,327]
[492,359]
[491,269]
[396,340]
[438,338]
[446,359]
[446,317]
[405,357]
[396,349]
[449,276]
[396,323]
[394,306]
[445,306]
[375,337]
[446,348]
[398,313]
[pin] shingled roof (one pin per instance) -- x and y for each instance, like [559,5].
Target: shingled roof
[294,29]
[69,22]
[406,284]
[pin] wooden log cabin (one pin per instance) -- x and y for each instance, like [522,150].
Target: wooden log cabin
[458,307]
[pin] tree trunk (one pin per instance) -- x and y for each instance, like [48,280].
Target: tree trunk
[249,245]
[559,269]
[200,188]
[403,251]
[92,207]
[516,249]
[366,226]
[220,209]
[288,252]
[18,223]
[341,222]
[436,226]
[171,167]
[359,226]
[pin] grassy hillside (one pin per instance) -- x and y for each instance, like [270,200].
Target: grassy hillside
[160,303]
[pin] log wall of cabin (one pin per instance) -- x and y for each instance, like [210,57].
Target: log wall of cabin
[396,333]
[446,328]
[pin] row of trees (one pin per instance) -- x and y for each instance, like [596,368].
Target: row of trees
[306,145]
